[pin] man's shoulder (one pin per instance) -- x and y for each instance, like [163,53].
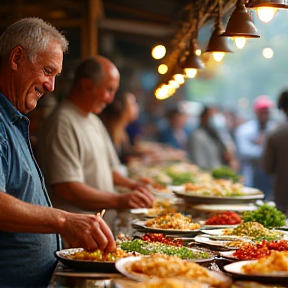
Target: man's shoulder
[62,113]
[281,131]
[199,134]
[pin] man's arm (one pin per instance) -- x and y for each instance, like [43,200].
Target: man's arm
[121,180]
[79,230]
[85,196]
[91,199]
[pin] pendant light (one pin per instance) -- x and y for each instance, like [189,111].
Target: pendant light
[240,23]
[280,4]
[266,9]
[178,74]
[218,45]
[192,62]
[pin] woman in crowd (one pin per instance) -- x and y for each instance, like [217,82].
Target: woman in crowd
[116,117]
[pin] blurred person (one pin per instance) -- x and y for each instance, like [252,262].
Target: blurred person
[31,55]
[250,138]
[116,116]
[175,134]
[275,157]
[209,146]
[76,153]
[134,131]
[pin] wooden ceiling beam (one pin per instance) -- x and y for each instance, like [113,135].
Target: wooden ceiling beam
[136,27]
[138,13]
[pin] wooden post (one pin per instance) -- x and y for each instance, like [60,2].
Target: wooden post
[89,30]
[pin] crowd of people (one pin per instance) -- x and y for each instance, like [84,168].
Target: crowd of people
[55,201]
[255,148]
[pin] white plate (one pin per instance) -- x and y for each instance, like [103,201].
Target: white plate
[224,207]
[84,265]
[190,197]
[180,188]
[145,212]
[228,255]
[127,283]
[208,227]
[235,269]
[140,211]
[140,225]
[167,194]
[121,267]
[122,263]
[218,232]
[201,239]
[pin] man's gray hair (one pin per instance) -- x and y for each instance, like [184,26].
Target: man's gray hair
[33,35]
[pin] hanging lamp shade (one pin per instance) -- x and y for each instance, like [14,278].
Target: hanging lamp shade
[240,24]
[193,61]
[218,43]
[178,74]
[281,4]
[178,69]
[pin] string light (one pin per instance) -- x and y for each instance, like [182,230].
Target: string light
[158,52]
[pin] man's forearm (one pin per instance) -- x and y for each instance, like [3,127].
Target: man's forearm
[86,197]
[19,216]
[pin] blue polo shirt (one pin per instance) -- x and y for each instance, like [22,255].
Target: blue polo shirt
[26,259]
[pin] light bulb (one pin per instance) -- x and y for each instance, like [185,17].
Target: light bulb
[162,69]
[158,52]
[268,53]
[173,83]
[198,52]
[190,73]
[240,42]
[164,92]
[266,14]
[218,56]
[179,78]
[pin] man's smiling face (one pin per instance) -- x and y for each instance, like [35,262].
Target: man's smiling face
[32,79]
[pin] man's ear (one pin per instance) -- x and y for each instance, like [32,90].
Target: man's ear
[86,84]
[16,57]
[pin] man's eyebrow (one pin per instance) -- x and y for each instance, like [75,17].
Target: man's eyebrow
[51,69]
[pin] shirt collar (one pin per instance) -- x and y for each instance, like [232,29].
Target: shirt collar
[9,110]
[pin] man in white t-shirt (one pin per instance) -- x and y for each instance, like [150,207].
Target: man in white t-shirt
[75,151]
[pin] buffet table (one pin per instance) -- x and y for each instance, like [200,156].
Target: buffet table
[195,205]
[64,277]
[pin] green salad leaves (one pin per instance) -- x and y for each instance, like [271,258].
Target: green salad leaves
[268,216]
[225,172]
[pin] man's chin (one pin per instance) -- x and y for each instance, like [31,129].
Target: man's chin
[98,111]
[30,106]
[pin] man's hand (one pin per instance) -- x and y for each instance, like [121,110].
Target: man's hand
[138,198]
[87,231]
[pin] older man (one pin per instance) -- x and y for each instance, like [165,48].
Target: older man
[31,54]
[76,153]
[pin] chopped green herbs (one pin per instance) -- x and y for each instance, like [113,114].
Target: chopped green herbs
[179,178]
[147,248]
[256,231]
[268,216]
[225,172]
